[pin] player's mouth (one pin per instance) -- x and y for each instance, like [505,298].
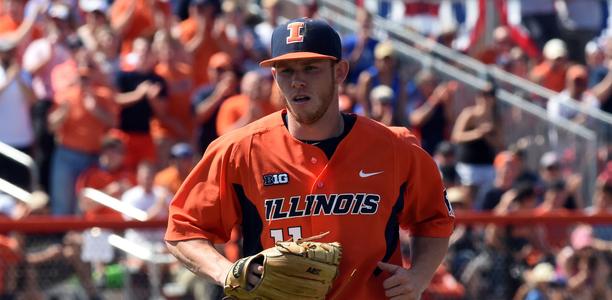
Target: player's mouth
[300,98]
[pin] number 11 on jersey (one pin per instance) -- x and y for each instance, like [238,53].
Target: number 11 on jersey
[294,233]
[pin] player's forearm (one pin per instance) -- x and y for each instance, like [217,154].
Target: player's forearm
[201,258]
[427,254]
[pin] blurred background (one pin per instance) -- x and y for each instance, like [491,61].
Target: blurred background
[105,106]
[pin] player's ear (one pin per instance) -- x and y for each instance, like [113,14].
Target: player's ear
[341,70]
[273,70]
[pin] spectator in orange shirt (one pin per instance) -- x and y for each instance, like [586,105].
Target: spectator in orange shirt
[551,72]
[252,103]
[109,176]
[202,36]
[178,75]
[82,116]
[181,164]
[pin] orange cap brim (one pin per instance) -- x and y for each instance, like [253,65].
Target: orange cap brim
[295,56]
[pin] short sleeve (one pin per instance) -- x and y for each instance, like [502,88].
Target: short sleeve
[426,211]
[206,206]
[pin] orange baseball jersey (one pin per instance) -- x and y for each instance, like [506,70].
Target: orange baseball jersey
[278,188]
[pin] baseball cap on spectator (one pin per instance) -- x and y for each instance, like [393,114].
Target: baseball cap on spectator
[549,159]
[304,38]
[503,158]
[384,49]
[93,5]
[220,60]
[181,150]
[382,93]
[59,11]
[591,47]
[542,273]
[554,49]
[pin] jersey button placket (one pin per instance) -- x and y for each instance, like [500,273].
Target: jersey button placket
[313,160]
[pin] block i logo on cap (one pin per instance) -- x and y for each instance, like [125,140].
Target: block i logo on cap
[295,34]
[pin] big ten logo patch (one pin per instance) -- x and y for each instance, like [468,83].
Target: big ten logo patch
[295,34]
[275,179]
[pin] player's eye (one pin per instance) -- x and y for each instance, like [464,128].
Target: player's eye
[286,71]
[310,68]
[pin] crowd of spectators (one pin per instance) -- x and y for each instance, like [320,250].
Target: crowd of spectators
[124,96]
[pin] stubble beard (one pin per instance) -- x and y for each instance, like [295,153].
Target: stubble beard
[308,118]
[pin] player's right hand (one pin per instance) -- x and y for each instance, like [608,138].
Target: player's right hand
[403,284]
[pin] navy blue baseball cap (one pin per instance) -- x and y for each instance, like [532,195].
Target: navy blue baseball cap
[304,38]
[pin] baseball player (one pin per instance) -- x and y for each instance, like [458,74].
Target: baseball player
[309,169]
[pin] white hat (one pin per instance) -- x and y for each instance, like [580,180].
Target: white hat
[59,11]
[93,5]
[382,93]
[541,273]
[549,159]
[554,49]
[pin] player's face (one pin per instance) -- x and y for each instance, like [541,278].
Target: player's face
[309,86]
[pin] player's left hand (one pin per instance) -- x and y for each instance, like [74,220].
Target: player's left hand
[403,284]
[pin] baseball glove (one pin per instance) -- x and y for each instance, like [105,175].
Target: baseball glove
[291,270]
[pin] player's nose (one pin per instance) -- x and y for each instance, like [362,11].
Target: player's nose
[297,83]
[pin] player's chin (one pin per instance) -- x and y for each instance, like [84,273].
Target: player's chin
[303,116]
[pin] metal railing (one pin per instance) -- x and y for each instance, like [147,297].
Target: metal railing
[153,257]
[601,122]
[22,159]
[582,140]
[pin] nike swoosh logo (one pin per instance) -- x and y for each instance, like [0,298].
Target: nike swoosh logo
[363,174]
